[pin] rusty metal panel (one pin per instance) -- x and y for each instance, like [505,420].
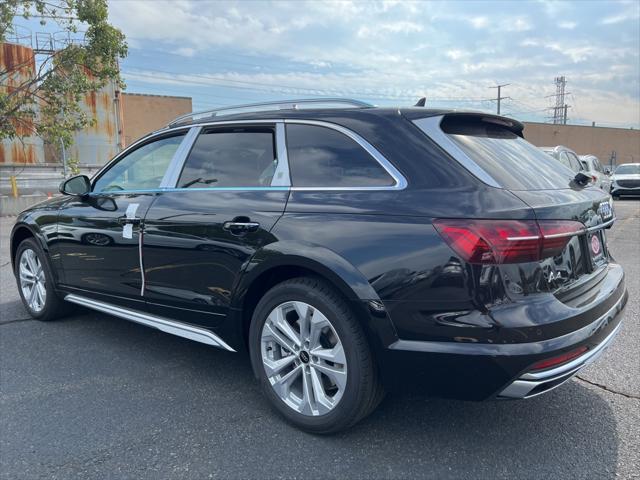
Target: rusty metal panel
[94,145]
[19,63]
[97,144]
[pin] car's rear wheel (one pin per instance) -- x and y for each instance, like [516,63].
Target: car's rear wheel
[35,282]
[311,356]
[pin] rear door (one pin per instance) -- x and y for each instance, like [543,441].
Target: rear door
[200,234]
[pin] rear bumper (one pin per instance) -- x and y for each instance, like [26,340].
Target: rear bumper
[479,371]
[532,384]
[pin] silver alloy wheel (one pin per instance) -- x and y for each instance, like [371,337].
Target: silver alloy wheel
[303,358]
[32,280]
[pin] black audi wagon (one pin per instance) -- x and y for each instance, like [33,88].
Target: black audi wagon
[348,249]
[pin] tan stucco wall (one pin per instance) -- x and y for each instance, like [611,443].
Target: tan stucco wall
[598,141]
[145,113]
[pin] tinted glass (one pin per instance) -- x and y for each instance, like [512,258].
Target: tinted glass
[230,158]
[632,169]
[141,169]
[512,161]
[597,165]
[564,158]
[575,163]
[322,157]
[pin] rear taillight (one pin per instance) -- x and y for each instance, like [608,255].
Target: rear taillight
[507,241]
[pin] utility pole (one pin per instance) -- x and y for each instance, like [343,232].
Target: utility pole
[499,87]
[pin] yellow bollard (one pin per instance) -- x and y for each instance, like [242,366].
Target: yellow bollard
[14,186]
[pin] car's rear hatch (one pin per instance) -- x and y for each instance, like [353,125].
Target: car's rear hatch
[495,147]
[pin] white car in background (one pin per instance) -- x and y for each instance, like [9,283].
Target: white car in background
[626,180]
[565,156]
[594,168]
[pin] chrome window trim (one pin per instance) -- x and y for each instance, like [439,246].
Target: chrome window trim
[170,180]
[147,138]
[431,127]
[174,170]
[166,325]
[400,181]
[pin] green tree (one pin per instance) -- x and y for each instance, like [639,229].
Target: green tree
[44,99]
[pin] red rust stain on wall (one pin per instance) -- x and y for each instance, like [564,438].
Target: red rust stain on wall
[90,100]
[22,154]
[19,61]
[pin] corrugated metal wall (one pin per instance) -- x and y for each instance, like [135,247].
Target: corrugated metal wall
[19,62]
[94,145]
[97,144]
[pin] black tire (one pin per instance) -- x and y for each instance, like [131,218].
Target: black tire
[54,306]
[363,391]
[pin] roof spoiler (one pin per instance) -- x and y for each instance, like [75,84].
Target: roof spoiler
[509,123]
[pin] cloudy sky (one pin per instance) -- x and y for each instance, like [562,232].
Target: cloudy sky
[390,53]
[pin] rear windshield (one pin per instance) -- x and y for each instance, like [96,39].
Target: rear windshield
[512,161]
[628,170]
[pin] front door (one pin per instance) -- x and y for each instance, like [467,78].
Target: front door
[98,237]
[199,236]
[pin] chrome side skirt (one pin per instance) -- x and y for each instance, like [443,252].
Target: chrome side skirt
[184,330]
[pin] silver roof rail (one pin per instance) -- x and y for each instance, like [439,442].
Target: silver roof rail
[266,106]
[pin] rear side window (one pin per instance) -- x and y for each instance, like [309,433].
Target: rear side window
[322,157]
[241,157]
[575,163]
[512,161]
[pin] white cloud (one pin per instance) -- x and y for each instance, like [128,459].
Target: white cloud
[478,22]
[519,24]
[185,52]
[389,49]
[391,27]
[568,25]
[455,54]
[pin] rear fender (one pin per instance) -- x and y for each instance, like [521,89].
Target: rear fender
[334,269]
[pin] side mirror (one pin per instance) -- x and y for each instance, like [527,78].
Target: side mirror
[77,186]
[581,179]
[607,171]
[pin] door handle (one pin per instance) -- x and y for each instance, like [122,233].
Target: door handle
[129,221]
[240,227]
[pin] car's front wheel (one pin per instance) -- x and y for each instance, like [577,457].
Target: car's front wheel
[35,282]
[311,356]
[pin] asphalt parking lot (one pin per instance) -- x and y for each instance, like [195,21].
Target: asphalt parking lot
[93,396]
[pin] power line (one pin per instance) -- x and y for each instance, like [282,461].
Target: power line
[280,88]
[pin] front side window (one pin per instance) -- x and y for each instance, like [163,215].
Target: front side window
[236,157]
[323,157]
[142,169]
